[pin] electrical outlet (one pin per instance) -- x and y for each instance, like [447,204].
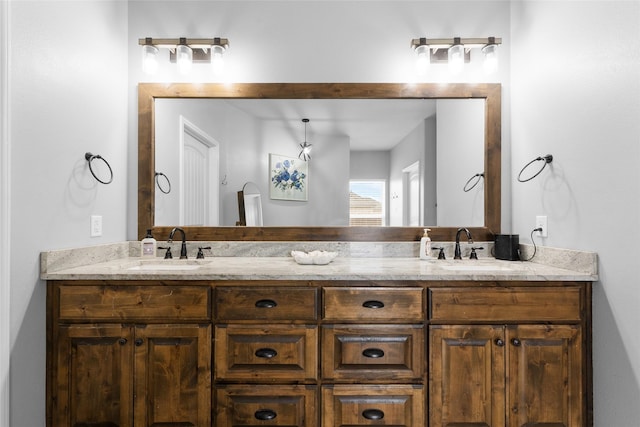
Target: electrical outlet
[96,225]
[541,222]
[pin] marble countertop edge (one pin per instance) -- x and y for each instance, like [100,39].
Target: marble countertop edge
[342,268]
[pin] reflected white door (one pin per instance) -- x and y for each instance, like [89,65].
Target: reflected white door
[411,205]
[199,200]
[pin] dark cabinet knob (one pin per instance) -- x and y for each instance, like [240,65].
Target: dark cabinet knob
[373,304]
[374,353]
[122,341]
[138,342]
[266,303]
[265,414]
[373,414]
[266,353]
[516,342]
[499,342]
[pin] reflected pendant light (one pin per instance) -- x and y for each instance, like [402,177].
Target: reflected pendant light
[305,153]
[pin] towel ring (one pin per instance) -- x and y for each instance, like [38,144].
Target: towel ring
[547,159]
[473,183]
[158,174]
[90,158]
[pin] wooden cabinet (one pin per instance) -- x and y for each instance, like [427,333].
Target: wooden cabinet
[515,374]
[129,373]
[318,354]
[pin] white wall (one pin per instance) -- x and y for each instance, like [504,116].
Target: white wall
[68,95]
[460,153]
[576,95]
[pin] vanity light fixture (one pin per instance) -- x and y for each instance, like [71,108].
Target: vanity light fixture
[455,52]
[184,51]
[305,153]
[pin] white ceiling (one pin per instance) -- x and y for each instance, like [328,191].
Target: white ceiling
[370,124]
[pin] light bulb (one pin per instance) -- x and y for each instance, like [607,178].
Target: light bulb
[217,59]
[456,58]
[490,64]
[149,59]
[423,60]
[184,58]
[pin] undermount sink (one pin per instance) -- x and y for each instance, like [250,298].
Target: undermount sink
[167,265]
[475,267]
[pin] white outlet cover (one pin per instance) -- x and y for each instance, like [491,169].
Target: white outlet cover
[96,225]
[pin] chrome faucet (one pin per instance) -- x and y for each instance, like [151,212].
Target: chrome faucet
[457,254]
[183,248]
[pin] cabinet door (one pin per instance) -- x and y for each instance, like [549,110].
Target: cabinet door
[545,376]
[173,375]
[93,376]
[466,376]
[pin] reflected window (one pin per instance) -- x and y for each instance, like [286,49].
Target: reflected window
[367,202]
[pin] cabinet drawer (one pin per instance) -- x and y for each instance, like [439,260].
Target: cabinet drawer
[538,304]
[371,304]
[373,353]
[363,405]
[273,352]
[145,303]
[270,303]
[244,406]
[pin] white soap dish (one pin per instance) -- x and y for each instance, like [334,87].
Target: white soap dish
[314,257]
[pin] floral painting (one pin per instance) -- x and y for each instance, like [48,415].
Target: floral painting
[289,178]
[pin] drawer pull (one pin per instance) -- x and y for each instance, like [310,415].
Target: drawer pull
[499,342]
[122,341]
[373,353]
[516,342]
[138,342]
[373,414]
[266,353]
[373,304]
[266,303]
[265,414]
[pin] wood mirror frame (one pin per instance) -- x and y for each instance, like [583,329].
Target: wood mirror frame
[148,92]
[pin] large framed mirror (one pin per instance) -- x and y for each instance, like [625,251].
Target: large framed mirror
[151,96]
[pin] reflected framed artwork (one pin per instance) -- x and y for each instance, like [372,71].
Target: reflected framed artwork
[289,178]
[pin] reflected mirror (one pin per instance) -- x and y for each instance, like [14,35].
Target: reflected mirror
[250,206]
[271,124]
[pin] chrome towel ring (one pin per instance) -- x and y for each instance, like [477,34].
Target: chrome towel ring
[168,184]
[472,182]
[90,158]
[547,159]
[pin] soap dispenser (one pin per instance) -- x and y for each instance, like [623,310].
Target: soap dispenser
[425,245]
[148,245]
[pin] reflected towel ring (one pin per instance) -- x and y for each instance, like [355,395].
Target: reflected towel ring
[91,157]
[547,159]
[160,186]
[477,177]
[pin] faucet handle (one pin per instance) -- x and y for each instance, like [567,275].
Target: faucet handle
[200,254]
[167,254]
[474,255]
[441,253]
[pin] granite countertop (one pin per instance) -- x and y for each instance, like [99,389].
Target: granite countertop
[342,268]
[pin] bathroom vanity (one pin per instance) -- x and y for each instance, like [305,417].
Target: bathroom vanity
[362,341]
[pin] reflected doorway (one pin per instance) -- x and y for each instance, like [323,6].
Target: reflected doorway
[411,190]
[199,172]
